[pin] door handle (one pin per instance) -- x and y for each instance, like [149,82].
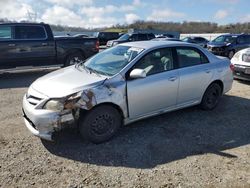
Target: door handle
[172,78]
[12,45]
[44,44]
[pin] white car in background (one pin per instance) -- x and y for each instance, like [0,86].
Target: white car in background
[241,64]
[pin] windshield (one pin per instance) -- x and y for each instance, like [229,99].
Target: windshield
[113,60]
[225,39]
[124,37]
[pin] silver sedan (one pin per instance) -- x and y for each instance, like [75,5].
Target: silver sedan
[124,84]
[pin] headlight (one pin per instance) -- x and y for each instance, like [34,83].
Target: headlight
[63,103]
[71,101]
[55,105]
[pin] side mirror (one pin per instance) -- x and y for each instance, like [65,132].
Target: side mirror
[138,73]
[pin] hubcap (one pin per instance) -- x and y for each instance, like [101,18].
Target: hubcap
[102,125]
[231,54]
[74,60]
[212,98]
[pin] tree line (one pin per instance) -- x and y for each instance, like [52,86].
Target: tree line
[184,27]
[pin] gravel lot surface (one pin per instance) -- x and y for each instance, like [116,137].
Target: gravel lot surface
[186,148]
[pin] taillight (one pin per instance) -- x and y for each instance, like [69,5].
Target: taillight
[97,45]
[232,67]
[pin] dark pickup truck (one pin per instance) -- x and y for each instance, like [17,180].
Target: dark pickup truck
[32,44]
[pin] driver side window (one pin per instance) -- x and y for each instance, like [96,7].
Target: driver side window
[157,61]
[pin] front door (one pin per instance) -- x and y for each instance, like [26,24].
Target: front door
[158,90]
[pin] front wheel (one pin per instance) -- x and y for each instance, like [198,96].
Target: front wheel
[211,97]
[100,124]
[231,54]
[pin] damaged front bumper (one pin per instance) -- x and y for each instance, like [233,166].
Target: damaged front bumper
[43,123]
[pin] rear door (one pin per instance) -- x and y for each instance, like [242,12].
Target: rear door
[33,47]
[158,90]
[7,47]
[195,73]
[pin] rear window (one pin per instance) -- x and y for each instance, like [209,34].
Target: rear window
[5,32]
[30,32]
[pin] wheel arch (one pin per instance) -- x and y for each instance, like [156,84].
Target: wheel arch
[219,82]
[117,107]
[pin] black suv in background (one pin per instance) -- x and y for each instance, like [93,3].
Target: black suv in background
[130,37]
[104,37]
[196,40]
[227,45]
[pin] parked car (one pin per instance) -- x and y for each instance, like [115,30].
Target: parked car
[28,44]
[163,38]
[131,37]
[123,84]
[104,37]
[196,40]
[241,64]
[227,45]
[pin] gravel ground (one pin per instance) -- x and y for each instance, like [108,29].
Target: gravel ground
[186,148]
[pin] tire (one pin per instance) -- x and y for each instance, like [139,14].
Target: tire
[100,124]
[231,54]
[73,58]
[211,97]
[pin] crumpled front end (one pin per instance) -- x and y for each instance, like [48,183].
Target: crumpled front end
[41,122]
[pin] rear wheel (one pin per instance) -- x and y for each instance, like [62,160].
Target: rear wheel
[100,124]
[211,97]
[73,58]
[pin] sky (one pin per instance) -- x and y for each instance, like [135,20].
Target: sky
[105,13]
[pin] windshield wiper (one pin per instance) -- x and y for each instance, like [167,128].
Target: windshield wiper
[92,70]
[81,63]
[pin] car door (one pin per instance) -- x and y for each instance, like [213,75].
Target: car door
[195,73]
[158,90]
[33,48]
[7,47]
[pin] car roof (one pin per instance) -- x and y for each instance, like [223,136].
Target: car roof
[24,23]
[154,44]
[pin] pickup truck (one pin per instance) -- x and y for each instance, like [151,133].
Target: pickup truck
[33,44]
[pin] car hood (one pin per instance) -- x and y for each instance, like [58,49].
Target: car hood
[65,82]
